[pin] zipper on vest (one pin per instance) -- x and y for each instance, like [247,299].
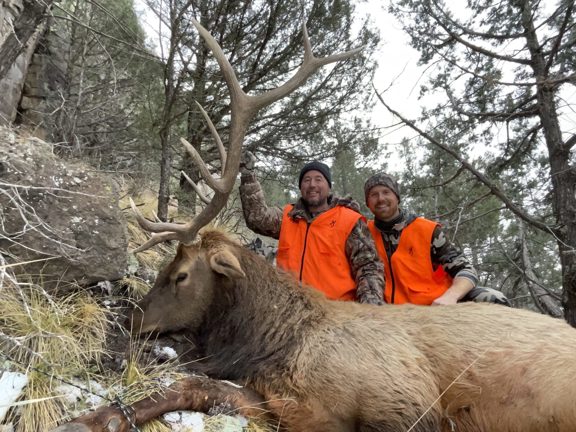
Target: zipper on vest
[389,257]
[304,251]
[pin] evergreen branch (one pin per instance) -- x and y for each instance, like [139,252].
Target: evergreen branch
[475,217]
[529,137]
[531,111]
[467,205]
[556,47]
[482,35]
[541,294]
[549,82]
[129,32]
[481,177]
[501,37]
[529,279]
[459,171]
[476,48]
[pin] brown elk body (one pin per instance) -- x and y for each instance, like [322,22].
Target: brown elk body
[339,366]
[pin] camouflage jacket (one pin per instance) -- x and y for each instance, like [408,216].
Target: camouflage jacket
[365,265]
[442,252]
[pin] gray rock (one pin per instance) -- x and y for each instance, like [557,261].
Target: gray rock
[60,212]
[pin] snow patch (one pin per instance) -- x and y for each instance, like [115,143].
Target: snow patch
[11,386]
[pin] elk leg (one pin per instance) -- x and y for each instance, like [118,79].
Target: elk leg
[193,393]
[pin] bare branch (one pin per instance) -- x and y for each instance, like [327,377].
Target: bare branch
[483,179]
[557,43]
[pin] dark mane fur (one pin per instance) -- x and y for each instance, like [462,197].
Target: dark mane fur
[256,323]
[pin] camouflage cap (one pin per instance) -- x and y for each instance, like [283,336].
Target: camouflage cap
[382,179]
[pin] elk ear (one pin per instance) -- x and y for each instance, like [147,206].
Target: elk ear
[224,262]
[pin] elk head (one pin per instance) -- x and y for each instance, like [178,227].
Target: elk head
[243,108]
[185,289]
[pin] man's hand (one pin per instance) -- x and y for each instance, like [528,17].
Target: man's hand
[247,162]
[460,287]
[447,298]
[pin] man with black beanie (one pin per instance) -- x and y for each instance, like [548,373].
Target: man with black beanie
[323,240]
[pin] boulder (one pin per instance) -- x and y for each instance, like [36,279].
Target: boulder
[63,215]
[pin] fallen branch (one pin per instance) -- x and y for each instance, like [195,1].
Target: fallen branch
[191,394]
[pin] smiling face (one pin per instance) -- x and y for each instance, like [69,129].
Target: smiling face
[383,203]
[315,190]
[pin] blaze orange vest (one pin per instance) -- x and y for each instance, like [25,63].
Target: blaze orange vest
[410,275]
[316,253]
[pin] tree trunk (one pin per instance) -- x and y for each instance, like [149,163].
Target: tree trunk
[563,177]
[543,299]
[165,171]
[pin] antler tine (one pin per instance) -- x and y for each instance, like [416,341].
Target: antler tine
[204,171]
[310,65]
[234,87]
[157,227]
[215,135]
[155,239]
[196,188]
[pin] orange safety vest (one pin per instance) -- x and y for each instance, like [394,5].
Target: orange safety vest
[410,275]
[316,252]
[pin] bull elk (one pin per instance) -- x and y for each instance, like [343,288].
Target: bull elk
[339,366]
[332,366]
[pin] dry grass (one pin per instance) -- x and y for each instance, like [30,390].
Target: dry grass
[48,338]
[135,287]
[42,408]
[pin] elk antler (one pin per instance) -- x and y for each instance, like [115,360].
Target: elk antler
[243,108]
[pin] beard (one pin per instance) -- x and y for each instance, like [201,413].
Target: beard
[316,201]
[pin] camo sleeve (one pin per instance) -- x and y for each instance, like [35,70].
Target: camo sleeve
[446,254]
[366,267]
[258,216]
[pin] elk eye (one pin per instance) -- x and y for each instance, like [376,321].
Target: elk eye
[181,277]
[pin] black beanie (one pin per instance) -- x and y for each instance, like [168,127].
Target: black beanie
[316,166]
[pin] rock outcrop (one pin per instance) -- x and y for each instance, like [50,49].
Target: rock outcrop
[12,84]
[62,213]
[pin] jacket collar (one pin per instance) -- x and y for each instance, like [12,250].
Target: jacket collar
[300,209]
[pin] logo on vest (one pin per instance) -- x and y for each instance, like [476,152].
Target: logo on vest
[333,223]
[411,251]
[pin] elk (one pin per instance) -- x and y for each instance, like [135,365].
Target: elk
[326,365]
[333,366]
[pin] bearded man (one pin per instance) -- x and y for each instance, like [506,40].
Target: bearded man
[323,240]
